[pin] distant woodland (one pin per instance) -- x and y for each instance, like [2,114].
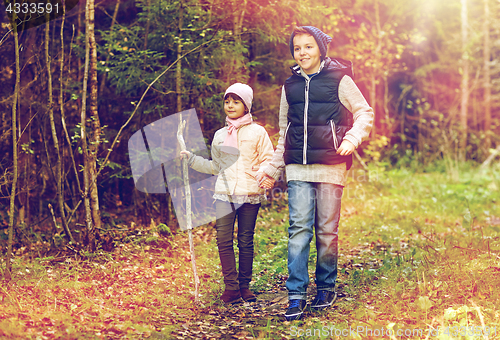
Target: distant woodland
[74,89]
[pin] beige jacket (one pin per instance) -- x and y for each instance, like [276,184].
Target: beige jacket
[237,172]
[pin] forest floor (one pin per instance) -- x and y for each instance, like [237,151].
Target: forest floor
[419,259]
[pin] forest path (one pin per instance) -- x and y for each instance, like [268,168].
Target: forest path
[141,289]
[418,254]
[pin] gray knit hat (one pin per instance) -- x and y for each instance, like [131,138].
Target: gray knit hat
[322,39]
[244,91]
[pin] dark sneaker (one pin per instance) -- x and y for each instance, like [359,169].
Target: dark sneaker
[323,299]
[295,309]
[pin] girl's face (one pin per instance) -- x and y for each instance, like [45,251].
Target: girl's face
[233,107]
[306,53]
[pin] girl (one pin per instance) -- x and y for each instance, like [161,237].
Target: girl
[240,150]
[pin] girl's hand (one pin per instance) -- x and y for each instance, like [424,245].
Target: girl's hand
[265,181]
[185,152]
[268,183]
[346,148]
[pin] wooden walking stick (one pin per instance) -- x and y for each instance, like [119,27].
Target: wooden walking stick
[180,138]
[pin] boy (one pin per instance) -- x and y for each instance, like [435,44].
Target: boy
[323,118]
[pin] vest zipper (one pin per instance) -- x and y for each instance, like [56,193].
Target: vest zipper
[334,134]
[306,108]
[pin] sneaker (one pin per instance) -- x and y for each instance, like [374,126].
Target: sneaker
[295,309]
[323,299]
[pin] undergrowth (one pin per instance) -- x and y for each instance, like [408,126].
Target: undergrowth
[419,256]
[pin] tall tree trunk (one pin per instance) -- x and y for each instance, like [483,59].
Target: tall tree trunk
[239,9]
[148,25]
[58,175]
[113,21]
[465,84]
[78,32]
[388,130]
[178,90]
[61,105]
[238,19]
[8,269]
[95,124]
[487,77]
[83,133]
[373,87]
[28,178]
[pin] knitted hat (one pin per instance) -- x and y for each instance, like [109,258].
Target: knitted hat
[322,39]
[244,91]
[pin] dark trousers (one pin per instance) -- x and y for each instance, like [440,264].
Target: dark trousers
[226,216]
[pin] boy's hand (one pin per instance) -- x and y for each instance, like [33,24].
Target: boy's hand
[264,180]
[185,152]
[346,148]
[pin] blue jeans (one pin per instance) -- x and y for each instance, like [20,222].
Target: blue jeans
[312,205]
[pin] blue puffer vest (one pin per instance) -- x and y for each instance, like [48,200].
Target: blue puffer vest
[317,120]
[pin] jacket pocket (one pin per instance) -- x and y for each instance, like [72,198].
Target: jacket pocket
[252,170]
[286,131]
[334,135]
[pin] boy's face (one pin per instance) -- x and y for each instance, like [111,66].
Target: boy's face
[306,53]
[233,107]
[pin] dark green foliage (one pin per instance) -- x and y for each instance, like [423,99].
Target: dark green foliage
[413,60]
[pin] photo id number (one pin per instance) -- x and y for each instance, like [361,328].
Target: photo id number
[32,8]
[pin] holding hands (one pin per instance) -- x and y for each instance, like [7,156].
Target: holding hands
[265,181]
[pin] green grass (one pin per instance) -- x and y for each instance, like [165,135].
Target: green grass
[418,251]
[429,251]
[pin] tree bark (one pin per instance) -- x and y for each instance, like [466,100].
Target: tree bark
[28,178]
[61,105]
[148,25]
[8,269]
[465,84]
[487,77]
[80,6]
[95,124]
[50,108]
[113,21]
[178,90]
[238,20]
[239,9]
[373,90]
[90,237]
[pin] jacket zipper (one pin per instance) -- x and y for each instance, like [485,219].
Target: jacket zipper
[334,134]
[306,108]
